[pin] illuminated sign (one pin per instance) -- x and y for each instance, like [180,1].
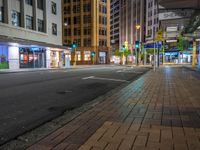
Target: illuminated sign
[175,14]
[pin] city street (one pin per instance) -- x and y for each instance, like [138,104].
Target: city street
[29,99]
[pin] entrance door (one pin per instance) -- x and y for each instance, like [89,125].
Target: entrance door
[102,57]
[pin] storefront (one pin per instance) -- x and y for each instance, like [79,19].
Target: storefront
[34,57]
[59,58]
[4,64]
[102,57]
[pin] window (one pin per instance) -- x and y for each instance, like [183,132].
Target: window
[77,31]
[1,14]
[29,22]
[40,4]
[87,19]
[29,2]
[77,19]
[15,18]
[54,29]
[76,9]
[87,55]
[40,25]
[53,8]
[86,8]
[78,56]
[67,32]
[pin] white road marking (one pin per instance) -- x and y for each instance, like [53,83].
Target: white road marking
[108,79]
[88,78]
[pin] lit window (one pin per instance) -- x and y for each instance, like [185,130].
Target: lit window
[78,55]
[87,55]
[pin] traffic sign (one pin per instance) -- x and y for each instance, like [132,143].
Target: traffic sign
[159,35]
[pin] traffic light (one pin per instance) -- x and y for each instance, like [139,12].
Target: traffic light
[137,44]
[74,45]
[93,54]
[123,48]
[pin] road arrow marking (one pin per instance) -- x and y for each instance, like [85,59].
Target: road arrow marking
[88,78]
[108,79]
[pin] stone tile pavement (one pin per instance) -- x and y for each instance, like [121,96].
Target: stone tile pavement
[159,111]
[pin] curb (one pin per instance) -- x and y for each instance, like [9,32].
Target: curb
[43,130]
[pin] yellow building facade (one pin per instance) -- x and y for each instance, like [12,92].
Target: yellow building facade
[87,23]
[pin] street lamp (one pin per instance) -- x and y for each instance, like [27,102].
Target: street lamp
[65,24]
[138,27]
[123,50]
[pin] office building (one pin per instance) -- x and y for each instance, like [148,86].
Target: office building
[31,34]
[87,23]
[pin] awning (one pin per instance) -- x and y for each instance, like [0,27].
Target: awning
[22,42]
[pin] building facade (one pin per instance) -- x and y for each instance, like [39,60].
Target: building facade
[31,34]
[132,24]
[175,17]
[87,23]
[152,21]
[115,23]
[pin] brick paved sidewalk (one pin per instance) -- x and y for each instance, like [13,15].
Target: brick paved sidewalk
[158,111]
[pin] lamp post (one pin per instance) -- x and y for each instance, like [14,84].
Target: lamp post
[74,46]
[123,49]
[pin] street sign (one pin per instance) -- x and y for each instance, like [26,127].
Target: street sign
[159,35]
[126,44]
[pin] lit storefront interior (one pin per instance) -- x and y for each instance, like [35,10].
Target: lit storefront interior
[34,57]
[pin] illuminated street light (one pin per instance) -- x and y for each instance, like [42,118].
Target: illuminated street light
[138,27]
[65,24]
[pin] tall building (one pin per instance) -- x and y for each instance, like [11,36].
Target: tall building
[114,23]
[152,21]
[87,23]
[132,22]
[31,34]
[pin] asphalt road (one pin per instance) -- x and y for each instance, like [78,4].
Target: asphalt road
[30,99]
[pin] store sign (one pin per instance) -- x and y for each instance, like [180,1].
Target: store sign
[175,14]
[172,29]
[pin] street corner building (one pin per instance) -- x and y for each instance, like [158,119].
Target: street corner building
[31,34]
[87,24]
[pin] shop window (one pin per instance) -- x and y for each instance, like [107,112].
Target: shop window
[32,57]
[4,57]
[15,18]
[87,55]
[78,56]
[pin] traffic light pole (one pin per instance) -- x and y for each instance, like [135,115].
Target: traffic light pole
[75,57]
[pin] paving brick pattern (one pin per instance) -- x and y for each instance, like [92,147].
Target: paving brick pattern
[159,111]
